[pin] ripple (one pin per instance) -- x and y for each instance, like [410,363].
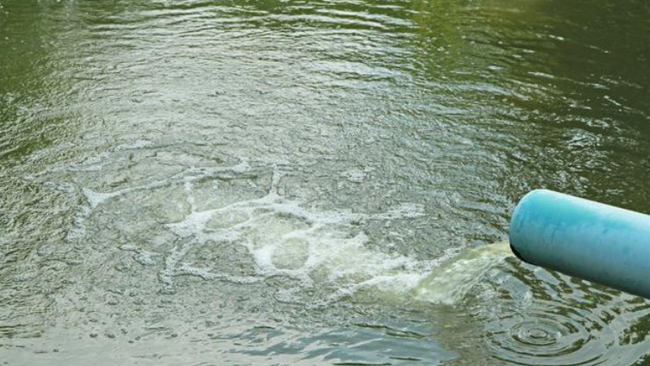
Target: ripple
[152,224]
[198,216]
[543,318]
[545,333]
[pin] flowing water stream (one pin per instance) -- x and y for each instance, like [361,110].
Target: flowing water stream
[202,182]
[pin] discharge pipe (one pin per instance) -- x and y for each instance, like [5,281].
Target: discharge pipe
[585,239]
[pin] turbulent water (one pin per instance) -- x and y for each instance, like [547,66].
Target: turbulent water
[311,183]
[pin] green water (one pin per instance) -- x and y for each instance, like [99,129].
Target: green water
[284,182]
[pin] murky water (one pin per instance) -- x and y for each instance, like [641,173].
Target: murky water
[311,183]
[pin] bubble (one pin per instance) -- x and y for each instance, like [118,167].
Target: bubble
[177,214]
[227,219]
[291,254]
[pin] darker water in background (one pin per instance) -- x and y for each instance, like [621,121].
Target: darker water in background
[240,182]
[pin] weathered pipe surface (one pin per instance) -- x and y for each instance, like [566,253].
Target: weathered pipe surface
[582,238]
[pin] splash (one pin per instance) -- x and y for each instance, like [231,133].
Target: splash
[449,283]
[232,222]
[323,251]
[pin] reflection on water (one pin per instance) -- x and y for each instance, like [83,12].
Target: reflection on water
[205,182]
[535,317]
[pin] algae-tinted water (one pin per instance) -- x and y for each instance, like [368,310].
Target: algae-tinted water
[278,182]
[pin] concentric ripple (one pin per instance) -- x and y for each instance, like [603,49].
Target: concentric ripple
[549,334]
[544,318]
[274,182]
[539,333]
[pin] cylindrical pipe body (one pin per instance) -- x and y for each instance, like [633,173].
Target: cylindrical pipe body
[585,239]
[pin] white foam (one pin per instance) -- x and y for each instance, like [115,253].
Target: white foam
[286,239]
[355,175]
[323,250]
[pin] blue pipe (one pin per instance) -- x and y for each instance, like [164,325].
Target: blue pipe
[585,239]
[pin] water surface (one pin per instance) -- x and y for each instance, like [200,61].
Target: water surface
[282,182]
